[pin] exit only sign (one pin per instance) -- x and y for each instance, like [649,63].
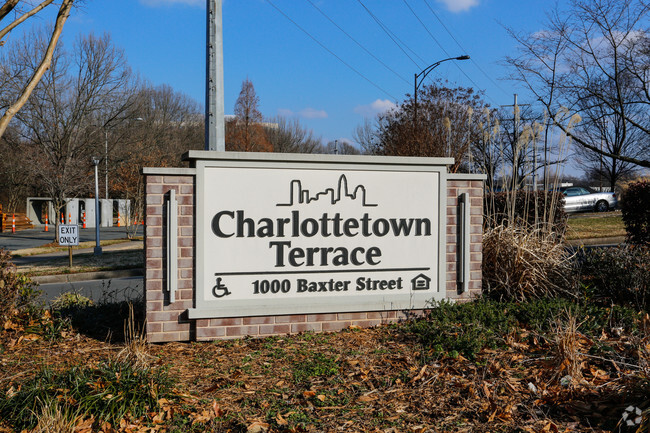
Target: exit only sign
[68,235]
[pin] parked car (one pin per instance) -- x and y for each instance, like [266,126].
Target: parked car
[578,198]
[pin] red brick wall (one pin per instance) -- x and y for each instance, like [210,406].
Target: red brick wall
[164,322]
[167,322]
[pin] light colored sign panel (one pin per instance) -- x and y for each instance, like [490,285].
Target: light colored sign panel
[68,234]
[283,240]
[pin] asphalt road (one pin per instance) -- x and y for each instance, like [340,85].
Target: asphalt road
[33,238]
[109,290]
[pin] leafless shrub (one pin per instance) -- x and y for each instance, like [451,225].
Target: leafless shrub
[520,263]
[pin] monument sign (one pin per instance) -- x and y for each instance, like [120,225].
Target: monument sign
[282,238]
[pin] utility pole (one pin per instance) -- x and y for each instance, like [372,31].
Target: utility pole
[516,120]
[214,88]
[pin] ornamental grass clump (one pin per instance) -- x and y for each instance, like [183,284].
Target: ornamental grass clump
[522,263]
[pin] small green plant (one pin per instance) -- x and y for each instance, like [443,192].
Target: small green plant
[109,392]
[314,366]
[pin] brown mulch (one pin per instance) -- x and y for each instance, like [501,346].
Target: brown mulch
[357,380]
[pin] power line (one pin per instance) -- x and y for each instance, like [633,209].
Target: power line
[393,37]
[445,51]
[425,28]
[461,47]
[330,51]
[359,44]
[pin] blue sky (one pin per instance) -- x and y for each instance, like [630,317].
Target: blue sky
[293,75]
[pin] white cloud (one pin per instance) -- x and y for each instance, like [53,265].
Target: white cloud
[374,108]
[459,5]
[155,3]
[307,113]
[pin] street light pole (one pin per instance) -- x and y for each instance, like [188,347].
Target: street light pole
[98,248]
[419,78]
[106,159]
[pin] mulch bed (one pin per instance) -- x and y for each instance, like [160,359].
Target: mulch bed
[357,380]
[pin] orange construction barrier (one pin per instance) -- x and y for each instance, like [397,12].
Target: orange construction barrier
[69,218]
[84,219]
[118,219]
[46,222]
[13,223]
[62,219]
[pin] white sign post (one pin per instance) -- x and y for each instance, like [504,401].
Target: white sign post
[315,238]
[68,235]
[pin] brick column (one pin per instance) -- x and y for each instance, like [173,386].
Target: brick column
[164,319]
[456,185]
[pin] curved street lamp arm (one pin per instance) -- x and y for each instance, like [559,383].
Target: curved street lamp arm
[430,68]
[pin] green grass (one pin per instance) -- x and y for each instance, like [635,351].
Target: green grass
[108,391]
[595,226]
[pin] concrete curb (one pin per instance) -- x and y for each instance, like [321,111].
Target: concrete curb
[595,242]
[87,276]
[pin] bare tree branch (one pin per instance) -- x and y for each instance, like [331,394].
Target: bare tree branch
[23,17]
[10,112]
[7,7]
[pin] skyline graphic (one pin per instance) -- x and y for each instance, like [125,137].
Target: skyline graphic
[298,195]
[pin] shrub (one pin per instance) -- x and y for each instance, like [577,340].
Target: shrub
[469,327]
[518,207]
[635,206]
[17,292]
[71,300]
[109,392]
[465,328]
[618,275]
[521,264]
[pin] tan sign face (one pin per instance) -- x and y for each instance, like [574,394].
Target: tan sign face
[283,240]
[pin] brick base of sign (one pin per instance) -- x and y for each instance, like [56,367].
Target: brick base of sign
[168,321]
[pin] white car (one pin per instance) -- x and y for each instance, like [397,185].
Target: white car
[578,198]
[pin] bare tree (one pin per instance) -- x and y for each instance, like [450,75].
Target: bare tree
[289,136]
[601,125]
[16,181]
[366,135]
[246,133]
[594,54]
[45,55]
[165,124]
[61,119]
[340,147]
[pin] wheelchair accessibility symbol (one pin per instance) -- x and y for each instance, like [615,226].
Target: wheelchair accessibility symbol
[220,290]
